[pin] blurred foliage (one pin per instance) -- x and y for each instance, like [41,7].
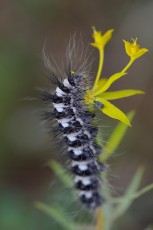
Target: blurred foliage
[57,214]
[16,214]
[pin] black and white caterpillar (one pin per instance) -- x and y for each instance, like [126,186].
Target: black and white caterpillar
[75,123]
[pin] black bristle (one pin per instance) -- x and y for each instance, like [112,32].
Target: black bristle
[47,116]
[47,96]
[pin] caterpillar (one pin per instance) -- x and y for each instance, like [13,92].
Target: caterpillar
[73,111]
[74,121]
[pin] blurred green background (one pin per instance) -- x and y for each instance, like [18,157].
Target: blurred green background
[25,146]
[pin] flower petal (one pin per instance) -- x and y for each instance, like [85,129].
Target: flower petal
[127,47]
[112,111]
[133,50]
[107,36]
[120,94]
[110,81]
[141,52]
[101,40]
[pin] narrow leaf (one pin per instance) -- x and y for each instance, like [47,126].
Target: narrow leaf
[135,181]
[115,139]
[61,173]
[135,195]
[120,94]
[143,191]
[126,199]
[57,214]
[112,111]
[150,227]
[109,82]
[107,206]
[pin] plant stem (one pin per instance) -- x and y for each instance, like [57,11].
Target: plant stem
[100,67]
[100,221]
[128,65]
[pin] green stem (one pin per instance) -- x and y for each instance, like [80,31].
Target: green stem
[100,220]
[100,67]
[128,65]
[143,191]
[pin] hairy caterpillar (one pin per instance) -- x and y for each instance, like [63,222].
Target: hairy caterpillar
[73,110]
[74,121]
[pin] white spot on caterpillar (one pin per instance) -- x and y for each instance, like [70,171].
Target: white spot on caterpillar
[64,125]
[82,162]
[60,92]
[66,83]
[64,120]
[88,134]
[72,137]
[74,109]
[59,105]
[59,109]
[78,148]
[77,151]
[87,194]
[85,180]
[83,166]
[80,120]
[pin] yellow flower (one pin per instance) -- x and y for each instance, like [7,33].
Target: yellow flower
[98,92]
[133,50]
[101,40]
[100,95]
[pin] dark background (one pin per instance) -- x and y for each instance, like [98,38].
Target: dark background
[25,146]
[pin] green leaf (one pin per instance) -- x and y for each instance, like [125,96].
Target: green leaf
[107,206]
[142,191]
[109,82]
[135,195]
[112,111]
[58,215]
[61,173]
[150,227]
[115,139]
[120,94]
[126,201]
